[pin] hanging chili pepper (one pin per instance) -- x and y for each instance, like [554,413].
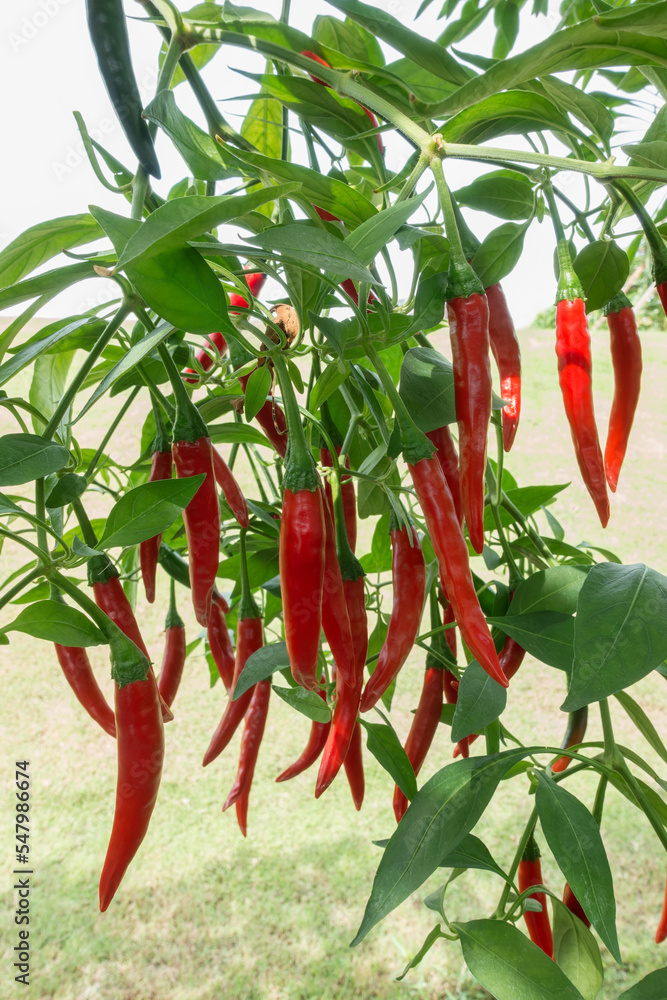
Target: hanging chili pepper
[575,732]
[448,618]
[661,932]
[111,598]
[449,461]
[231,489]
[626,356]
[161,463]
[326,216]
[354,767]
[422,730]
[173,659]
[108,32]
[314,747]
[340,735]
[220,645]
[511,657]
[315,79]
[79,674]
[255,281]
[530,873]
[348,492]
[249,638]
[505,348]
[253,731]
[204,357]
[408,574]
[271,417]
[574,905]
[335,618]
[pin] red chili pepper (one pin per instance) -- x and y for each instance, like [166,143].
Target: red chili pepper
[530,873]
[451,551]
[661,932]
[231,489]
[140,759]
[79,674]
[573,348]
[469,335]
[348,494]
[322,212]
[201,519]
[409,583]
[220,645]
[271,419]
[575,732]
[574,905]
[255,283]
[148,550]
[626,356]
[340,735]
[449,461]
[349,287]
[335,618]
[422,730]
[448,618]
[253,731]
[173,659]
[205,358]
[315,79]
[511,657]
[314,747]
[505,347]
[662,292]
[354,768]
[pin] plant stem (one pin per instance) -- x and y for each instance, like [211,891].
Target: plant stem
[41,554]
[598,805]
[445,198]
[525,837]
[534,536]
[23,582]
[105,440]
[87,530]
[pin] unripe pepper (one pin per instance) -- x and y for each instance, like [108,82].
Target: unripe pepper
[449,460]
[576,730]
[530,873]
[626,356]
[409,583]
[173,659]
[161,464]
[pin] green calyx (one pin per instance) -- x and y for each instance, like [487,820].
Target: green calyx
[569,286]
[248,607]
[101,570]
[620,301]
[531,851]
[128,663]
[173,619]
[188,422]
[469,241]
[300,469]
[462,282]
[162,439]
[299,475]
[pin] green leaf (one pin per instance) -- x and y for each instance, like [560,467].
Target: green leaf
[427,388]
[374,234]
[528,499]
[200,152]
[56,622]
[510,966]
[499,253]
[513,112]
[481,700]
[8,507]
[588,109]
[620,632]
[36,348]
[43,241]
[472,853]
[68,488]
[24,457]
[546,635]
[263,126]
[575,842]
[649,154]
[651,987]
[443,811]
[308,703]
[236,434]
[261,664]
[423,951]
[148,510]
[349,38]
[49,283]
[643,723]
[385,746]
[602,267]
[576,951]
[503,193]
[554,589]
[257,389]
[332,377]
[315,247]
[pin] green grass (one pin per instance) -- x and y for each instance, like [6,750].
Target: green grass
[204,914]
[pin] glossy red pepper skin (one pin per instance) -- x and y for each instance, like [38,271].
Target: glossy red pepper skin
[538,925]
[161,464]
[220,645]
[112,599]
[79,674]
[207,358]
[469,336]
[301,562]
[348,494]
[409,584]
[173,662]
[230,488]
[573,349]
[322,212]
[354,768]
[335,618]
[511,657]
[506,351]
[449,461]
[140,739]
[249,639]
[340,735]
[319,732]
[662,292]
[315,79]
[355,597]
[576,730]
[661,932]
[451,551]
[251,740]
[422,730]
[626,356]
[448,618]
[271,419]
[202,522]
[574,905]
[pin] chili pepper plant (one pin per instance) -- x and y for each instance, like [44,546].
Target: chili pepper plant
[296,309]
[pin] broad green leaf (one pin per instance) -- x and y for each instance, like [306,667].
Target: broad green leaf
[260,665]
[8,507]
[256,391]
[371,236]
[49,283]
[588,109]
[263,126]
[315,247]
[332,377]
[650,154]
[348,37]
[510,966]
[431,294]
[201,153]
[576,951]
[546,635]
[56,622]
[24,457]
[43,241]
[68,488]
[499,253]
[481,700]
[49,380]
[575,842]
[472,853]
[308,703]
[503,193]
[554,589]
[148,510]
[35,348]
[443,811]
[620,632]
[513,112]
[427,388]
[642,722]
[602,267]
[236,434]
[385,746]
[651,987]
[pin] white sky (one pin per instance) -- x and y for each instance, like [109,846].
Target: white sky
[48,70]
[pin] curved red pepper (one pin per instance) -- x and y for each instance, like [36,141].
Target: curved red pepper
[249,639]
[79,674]
[335,618]
[173,659]
[511,657]
[576,730]
[314,747]
[207,358]
[505,348]
[271,419]
[573,349]
[530,873]
[469,336]
[231,489]
[662,292]
[409,583]
[661,932]
[422,730]
[140,739]
[202,522]
[220,645]
[253,731]
[574,906]
[449,461]
[626,356]
[354,768]
[161,464]
[348,494]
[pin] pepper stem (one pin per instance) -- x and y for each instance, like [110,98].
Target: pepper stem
[188,423]
[173,619]
[300,471]
[651,232]
[415,445]
[569,286]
